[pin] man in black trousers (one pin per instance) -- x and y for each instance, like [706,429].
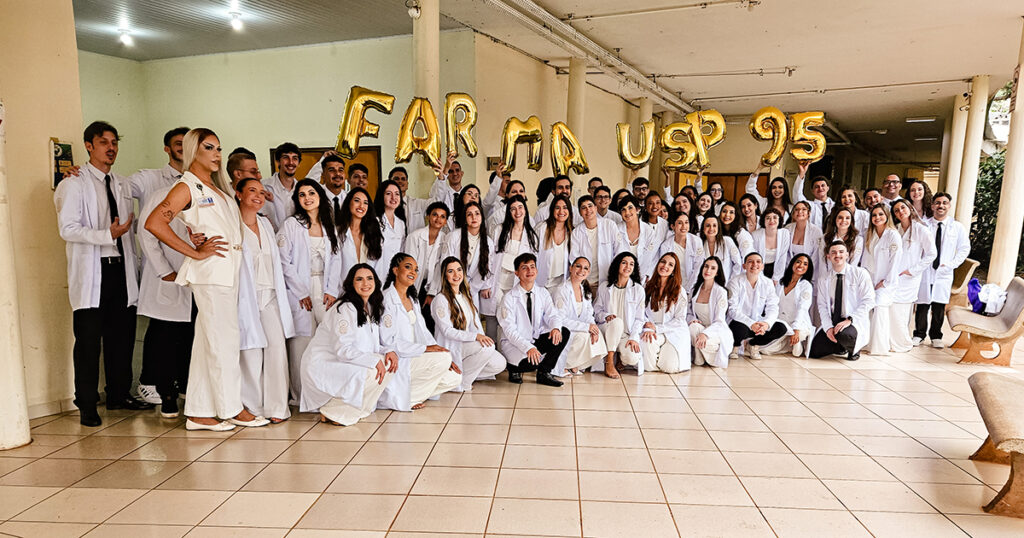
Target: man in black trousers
[532,333]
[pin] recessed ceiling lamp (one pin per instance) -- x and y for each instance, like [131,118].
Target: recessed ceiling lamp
[236,20]
[921,119]
[126,37]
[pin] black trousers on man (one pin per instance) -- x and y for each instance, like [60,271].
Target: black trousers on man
[741,332]
[846,342]
[549,354]
[938,312]
[166,354]
[111,327]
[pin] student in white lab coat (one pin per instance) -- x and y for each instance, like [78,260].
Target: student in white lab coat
[773,243]
[533,336]
[805,237]
[919,195]
[665,339]
[952,245]
[201,199]
[425,369]
[469,193]
[731,228]
[721,247]
[346,366]
[554,237]
[448,184]
[459,329]
[562,186]
[653,213]
[619,310]
[777,196]
[705,207]
[471,246]
[359,235]
[850,199]
[883,253]
[717,192]
[707,316]
[754,307]
[497,190]
[605,208]
[496,211]
[597,239]
[841,228]
[821,205]
[415,209]
[516,236]
[796,299]
[573,300]
[918,254]
[638,237]
[264,317]
[425,245]
[333,180]
[311,260]
[282,184]
[390,209]
[687,247]
[845,297]
[750,213]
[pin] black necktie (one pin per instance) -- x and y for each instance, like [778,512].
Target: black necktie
[821,221]
[938,247]
[837,307]
[337,210]
[529,305]
[112,202]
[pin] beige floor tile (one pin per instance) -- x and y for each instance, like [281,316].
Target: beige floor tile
[542,435]
[618,459]
[393,454]
[789,522]
[290,429]
[323,533]
[427,415]
[932,428]
[678,439]
[475,399]
[100,448]
[610,437]
[352,512]
[221,476]
[55,472]
[788,409]
[660,405]
[466,455]
[137,474]
[720,521]
[984,525]
[705,490]
[69,425]
[586,388]
[724,407]
[360,431]
[863,427]
[261,509]
[109,530]
[534,517]
[15,499]
[708,392]
[443,514]
[385,479]
[538,484]
[690,462]
[669,421]
[80,505]
[734,423]
[149,426]
[926,470]
[474,433]
[539,457]
[171,507]
[813,443]
[608,419]
[544,401]
[955,498]
[790,493]
[407,433]
[748,442]
[323,452]
[9,464]
[771,465]
[878,496]
[49,530]
[235,532]
[626,519]
[993,474]
[543,417]
[620,487]
[173,449]
[481,415]
[294,478]
[764,394]
[897,447]
[840,410]
[954,449]
[791,424]
[602,403]
[904,412]
[39,447]
[456,481]
[665,392]
[827,466]
[899,525]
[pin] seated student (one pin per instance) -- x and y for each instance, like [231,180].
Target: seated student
[596,239]
[572,299]
[754,307]
[619,310]
[709,306]
[346,367]
[686,246]
[459,329]
[665,339]
[425,369]
[845,297]
[796,297]
[532,333]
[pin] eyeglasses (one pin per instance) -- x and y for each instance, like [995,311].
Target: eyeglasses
[603,197]
[716,189]
[893,182]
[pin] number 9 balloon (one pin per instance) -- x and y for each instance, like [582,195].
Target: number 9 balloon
[805,136]
[769,123]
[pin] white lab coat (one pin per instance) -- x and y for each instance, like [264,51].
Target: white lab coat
[158,298]
[293,241]
[281,207]
[853,258]
[751,304]
[416,212]
[918,254]
[446,335]
[634,315]
[393,326]
[349,257]
[394,239]
[744,242]
[795,307]
[690,259]
[518,334]
[609,244]
[882,260]
[718,306]
[936,284]
[861,220]
[440,191]
[565,302]
[729,254]
[250,326]
[858,300]
[427,256]
[145,184]
[762,202]
[78,224]
[816,216]
[783,242]
[646,249]
[477,282]
[488,307]
[544,254]
[810,246]
[675,327]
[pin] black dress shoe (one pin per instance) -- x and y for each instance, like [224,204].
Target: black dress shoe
[515,377]
[89,417]
[853,356]
[545,378]
[129,403]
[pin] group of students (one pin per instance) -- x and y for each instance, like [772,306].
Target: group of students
[310,292]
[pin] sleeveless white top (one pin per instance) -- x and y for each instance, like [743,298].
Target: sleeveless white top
[211,213]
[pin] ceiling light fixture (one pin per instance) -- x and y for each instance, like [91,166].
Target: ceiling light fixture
[236,20]
[414,8]
[921,119]
[926,138]
[126,37]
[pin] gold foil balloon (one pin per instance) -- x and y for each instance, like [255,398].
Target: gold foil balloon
[460,131]
[521,132]
[803,135]
[566,152]
[671,145]
[769,123]
[428,145]
[354,123]
[640,159]
[702,142]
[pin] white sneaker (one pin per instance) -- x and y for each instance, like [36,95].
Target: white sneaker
[754,353]
[798,349]
[148,394]
[222,426]
[938,344]
[917,341]
[254,423]
[734,355]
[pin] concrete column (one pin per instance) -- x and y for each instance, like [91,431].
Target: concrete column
[426,75]
[972,150]
[646,114]
[1005,248]
[957,134]
[657,178]
[576,101]
[14,430]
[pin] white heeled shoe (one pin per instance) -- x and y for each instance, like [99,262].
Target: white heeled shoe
[222,426]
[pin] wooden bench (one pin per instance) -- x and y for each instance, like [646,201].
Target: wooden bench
[958,297]
[1002,330]
[1002,408]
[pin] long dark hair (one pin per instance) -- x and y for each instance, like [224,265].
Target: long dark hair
[926,202]
[396,261]
[644,213]
[830,229]
[369,227]
[459,207]
[509,222]
[711,209]
[373,309]
[787,201]
[378,204]
[739,211]
[788,273]
[613,269]
[617,196]
[459,319]
[324,213]
[733,227]
[719,275]
[483,250]
[549,228]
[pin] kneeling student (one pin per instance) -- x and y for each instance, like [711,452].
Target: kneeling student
[845,297]
[754,308]
[533,336]
[573,300]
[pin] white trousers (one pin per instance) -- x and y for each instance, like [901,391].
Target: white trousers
[582,352]
[900,315]
[878,340]
[782,345]
[346,415]
[429,375]
[265,371]
[710,352]
[478,362]
[660,355]
[615,336]
[297,344]
[214,375]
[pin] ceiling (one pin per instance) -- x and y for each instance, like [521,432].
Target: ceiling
[867,64]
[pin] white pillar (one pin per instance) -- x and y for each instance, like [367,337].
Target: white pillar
[426,75]
[667,117]
[576,100]
[646,113]
[14,430]
[972,150]
[957,134]
[1005,247]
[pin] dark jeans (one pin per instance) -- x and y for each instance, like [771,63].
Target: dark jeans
[167,352]
[741,332]
[938,311]
[549,354]
[846,342]
[111,327]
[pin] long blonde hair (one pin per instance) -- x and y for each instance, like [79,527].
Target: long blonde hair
[872,234]
[190,146]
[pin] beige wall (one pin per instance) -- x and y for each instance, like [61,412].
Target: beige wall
[39,85]
[113,90]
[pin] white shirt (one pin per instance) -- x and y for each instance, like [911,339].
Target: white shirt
[518,331]
[751,304]
[818,215]
[145,182]
[281,207]
[96,179]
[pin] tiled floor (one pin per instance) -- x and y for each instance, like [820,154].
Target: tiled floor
[784,447]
